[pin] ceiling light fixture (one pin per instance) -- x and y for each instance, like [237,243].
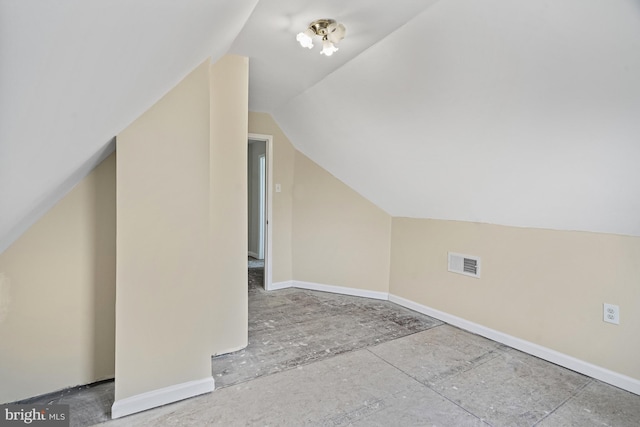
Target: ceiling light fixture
[329,30]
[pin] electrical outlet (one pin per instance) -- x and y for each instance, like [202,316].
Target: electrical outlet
[611,313]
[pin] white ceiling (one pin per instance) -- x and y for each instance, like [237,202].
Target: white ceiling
[280,69]
[511,112]
[74,73]
[523,113]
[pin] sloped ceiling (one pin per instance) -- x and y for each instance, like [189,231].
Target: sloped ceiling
[281,70]
[523,113]
[74,73]
[520,113]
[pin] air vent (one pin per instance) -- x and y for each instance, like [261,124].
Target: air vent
[464,264]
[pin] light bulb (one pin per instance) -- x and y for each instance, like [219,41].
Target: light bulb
[305,39]
[328,48]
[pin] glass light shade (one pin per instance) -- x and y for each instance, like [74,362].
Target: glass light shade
[305,38]
[335,32]
[328,48]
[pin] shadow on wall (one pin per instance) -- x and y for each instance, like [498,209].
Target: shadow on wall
[104,275]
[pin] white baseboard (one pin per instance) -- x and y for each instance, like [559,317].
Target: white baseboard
[152,399]
[328,288]
[610,377]
[253,255]
[280,285]
[340,290]
[619,380]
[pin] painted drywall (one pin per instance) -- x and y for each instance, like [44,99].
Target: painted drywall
[164,274]
[282,70]
[256,149]
[516,113]
[106,63]
[546,287]
[339,237]
[323,231]
[57,294]
[229,91]
[282,209]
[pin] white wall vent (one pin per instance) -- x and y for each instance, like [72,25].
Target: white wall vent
[464,264]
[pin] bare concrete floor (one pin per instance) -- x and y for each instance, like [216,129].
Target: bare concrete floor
[321,359]
[255,263]
[293,327]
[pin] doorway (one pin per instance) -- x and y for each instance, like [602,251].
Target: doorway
[262,171]
[259,178]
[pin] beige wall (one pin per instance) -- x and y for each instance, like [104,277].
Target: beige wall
[182,257]
[543,286]
[282,209]
[57,294]
[339,237]
[164,275]
[323,231]
[229,98]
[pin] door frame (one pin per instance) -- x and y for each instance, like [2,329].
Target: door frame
[262,209]
[268,246]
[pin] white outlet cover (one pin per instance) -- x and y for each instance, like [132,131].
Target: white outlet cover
[611,313]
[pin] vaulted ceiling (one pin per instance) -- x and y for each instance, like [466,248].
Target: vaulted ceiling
[522,113]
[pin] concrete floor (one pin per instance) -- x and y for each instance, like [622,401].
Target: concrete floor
[292,327]
[330,360]
[88,404]
[255,263]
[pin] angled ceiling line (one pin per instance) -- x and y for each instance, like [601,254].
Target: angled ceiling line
[427,9]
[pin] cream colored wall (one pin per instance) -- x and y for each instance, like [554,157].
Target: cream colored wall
[282,209]
[164,276]
[339,237]
[543,286]
[323,231]
[57,294]
[229,86]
